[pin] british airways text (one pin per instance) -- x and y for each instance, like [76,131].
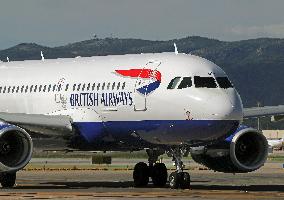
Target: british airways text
[101,99]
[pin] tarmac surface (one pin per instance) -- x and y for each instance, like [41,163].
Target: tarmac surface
[266,183]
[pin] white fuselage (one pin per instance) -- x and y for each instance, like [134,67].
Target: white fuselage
[91,90]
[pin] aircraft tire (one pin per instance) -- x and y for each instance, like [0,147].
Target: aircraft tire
[8,180]
[179,180]
[185,181]
[173,180]
[159,175]
[141,175]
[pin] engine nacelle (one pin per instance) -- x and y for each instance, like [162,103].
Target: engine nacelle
[16,148]
[244,151]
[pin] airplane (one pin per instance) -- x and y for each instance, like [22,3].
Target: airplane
[170,103]
[275,143]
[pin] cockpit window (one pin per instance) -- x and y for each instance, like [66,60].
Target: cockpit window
[185,83]
[173,83]
[224,82]
[204,82]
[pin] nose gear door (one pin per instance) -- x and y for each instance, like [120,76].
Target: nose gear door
[144,83]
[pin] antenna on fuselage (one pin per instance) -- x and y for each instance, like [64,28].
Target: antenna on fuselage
[8,60]
[176,49]
[42,57]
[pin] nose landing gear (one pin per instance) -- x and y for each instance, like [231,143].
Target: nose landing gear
[179,178]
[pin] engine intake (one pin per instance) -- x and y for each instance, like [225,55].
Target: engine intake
[15,148]
[244,151]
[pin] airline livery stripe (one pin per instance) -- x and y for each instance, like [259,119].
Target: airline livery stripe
[141,73]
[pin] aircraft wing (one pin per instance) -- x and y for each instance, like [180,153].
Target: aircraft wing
[264,111]
[48,124]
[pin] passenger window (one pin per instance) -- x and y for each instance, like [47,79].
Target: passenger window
[4,90]
[17,90]
[66,87]
[39,89]
[27,88]
[103,86]
[173,83]
[83,87]
[13,89]
[118,86]
[88,87]
[79,86]
[44,88]
[113,86]
[22,88]
[0,89]
[49,88]
[185,83]
[31,88]
[224,82]
[59,87]
[74,87]
[108,86]
[204,82]
[98,86]
[9,88]
[123,85]
[93,87]
[54,88]
[35,88]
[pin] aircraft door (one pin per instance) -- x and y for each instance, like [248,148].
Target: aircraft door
[60,95]
[146,77]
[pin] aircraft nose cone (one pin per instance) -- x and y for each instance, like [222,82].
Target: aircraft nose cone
[228,106]
[216,104]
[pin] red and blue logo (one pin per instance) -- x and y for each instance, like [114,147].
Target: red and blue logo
[153,78]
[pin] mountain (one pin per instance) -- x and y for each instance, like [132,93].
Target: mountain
[24,51]
[256,67]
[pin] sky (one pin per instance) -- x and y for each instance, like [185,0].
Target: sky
[59,22]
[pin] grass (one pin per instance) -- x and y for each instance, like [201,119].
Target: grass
[275,157]
[102,167]
[128,155]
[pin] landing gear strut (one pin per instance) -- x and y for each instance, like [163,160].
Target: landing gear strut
[8,180]
[157,171]
[179,178]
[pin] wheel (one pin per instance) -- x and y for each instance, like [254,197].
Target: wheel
[185,180]
[179,180]
[8,180]
[159,174]
[141,174]
[174,180]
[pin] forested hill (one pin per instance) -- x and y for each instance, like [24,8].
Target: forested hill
[256,67]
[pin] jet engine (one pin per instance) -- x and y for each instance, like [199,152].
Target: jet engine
[244,151]
[15,148]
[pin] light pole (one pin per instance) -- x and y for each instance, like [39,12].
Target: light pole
[258,121]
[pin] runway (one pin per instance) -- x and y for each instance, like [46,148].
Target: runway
[267,183]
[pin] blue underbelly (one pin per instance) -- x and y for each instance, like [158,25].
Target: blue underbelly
[158,131]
